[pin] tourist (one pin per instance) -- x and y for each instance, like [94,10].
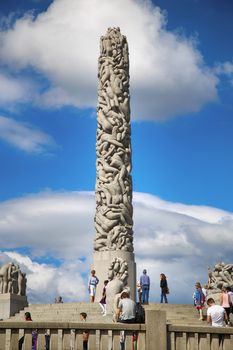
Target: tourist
[83,318]
[28,317]
[139,290]
[145,285]
[47,339]
[199,299]
[164,288]
[230,293]
[92,283]
[102,302]
[126,309]
[205,290]
[59,300]
[216,315]
[225,302]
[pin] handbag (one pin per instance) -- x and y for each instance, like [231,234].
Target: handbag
[167,291]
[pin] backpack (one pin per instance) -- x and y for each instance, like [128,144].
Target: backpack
[139,313]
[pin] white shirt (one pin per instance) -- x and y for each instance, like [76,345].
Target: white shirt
[216,312]
[127,307]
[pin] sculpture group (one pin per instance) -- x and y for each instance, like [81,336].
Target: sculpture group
[221,276]
[12,280]
[113,219]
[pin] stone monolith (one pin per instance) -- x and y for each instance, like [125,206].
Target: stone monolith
[113,245]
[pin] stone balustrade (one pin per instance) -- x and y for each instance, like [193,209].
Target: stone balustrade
[188,337]
[155,334]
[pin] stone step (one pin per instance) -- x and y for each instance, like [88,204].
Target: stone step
[69,312]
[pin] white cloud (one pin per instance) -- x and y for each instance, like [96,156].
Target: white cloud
[14,90]
[226,69]
[177,239]
[168,74]
[45,282]
[24,136]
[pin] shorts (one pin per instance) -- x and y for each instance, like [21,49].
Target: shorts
[92,290]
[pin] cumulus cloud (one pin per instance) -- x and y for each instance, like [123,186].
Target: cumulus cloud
[45,282]
[168,74]
[176,239]
[14,90]
[24,136]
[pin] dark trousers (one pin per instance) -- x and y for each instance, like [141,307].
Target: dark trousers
[20,343]
[145,294]
[163,296]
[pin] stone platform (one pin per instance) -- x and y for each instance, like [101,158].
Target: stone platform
[182,314]
[10,304]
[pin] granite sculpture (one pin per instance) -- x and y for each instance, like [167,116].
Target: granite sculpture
[113,221]
[113,218]
[12,280]
[221,276]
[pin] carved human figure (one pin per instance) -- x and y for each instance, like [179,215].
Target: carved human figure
[5,277]
[12,280]
[221,276]
[22,283]
[113,218]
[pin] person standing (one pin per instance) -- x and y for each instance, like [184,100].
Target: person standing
[102,302]
[164,288]
[216,315]
[230,293]
[225,302]
[92,283]
[145,285]
[139,290]
[199,299]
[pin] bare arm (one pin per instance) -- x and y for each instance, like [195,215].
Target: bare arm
[209,319]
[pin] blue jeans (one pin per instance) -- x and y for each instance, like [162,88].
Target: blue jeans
[145,294]
[163,296]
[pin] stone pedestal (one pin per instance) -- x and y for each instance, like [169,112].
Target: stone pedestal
[10,304]
[102,261]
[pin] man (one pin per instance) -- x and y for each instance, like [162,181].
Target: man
[145,285]
[216,315]
[126,309]
[92,283]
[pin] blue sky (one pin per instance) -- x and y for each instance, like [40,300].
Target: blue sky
[181,67]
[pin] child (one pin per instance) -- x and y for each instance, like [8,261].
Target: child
[83,318]
[92,283]
[102,302]
[199,299]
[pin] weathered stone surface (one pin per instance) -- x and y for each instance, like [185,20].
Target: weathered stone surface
[221,276]
[113,245]
[113,218]
[10,304]
[12,280]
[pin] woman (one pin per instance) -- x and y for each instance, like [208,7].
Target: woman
[27,317]
[225,302]
[164,288]
[102,302]
[199,299]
